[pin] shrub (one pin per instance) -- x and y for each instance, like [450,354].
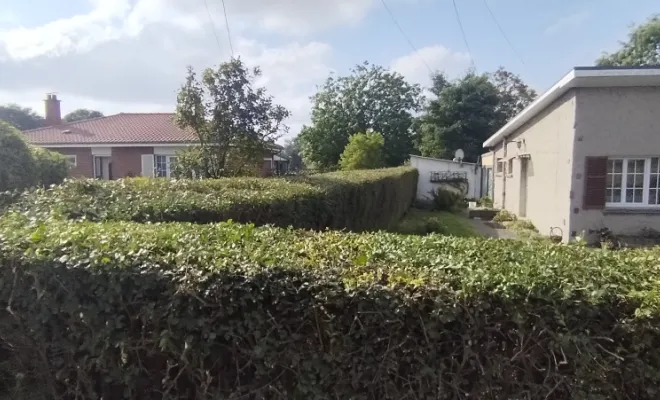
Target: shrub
[505,216]
[357,200]
[486,202]
[178,311]
[17,167]
[522,225]
[444,199]
[363,151]
[51,168]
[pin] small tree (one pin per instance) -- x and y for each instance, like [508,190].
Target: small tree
[51,168]
[17,167]
[363,151]
[236,124]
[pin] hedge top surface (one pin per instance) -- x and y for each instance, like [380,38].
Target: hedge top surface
[459,267]
[144,199]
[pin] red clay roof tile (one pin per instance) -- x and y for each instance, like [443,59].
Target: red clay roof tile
[119,128]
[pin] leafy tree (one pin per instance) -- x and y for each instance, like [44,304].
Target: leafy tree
[467,111]
[17,169]
[514,95]
[642,47]
[51,168]
[363,151]
[20,117]
[371,98]
[464,114]
[236,124]
[82,114]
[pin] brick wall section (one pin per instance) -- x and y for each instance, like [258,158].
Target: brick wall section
[84,163]
[127,161]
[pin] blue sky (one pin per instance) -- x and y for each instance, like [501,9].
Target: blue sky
[130,55]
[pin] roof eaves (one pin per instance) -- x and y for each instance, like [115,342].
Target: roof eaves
[559,88]
[575,78]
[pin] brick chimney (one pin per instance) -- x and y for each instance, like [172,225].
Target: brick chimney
[53,112]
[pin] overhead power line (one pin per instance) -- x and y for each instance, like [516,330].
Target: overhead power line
[215,33]
[503,33]
[231,46]
[406,36]
[460,24]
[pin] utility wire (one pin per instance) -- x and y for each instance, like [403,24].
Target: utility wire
[406,36]
[215,33]
[231,46]
[502,31]
[460,24]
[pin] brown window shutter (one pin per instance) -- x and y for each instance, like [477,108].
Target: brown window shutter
[595,180]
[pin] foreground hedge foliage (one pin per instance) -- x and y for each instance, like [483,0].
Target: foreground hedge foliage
[229,311]
[357,200]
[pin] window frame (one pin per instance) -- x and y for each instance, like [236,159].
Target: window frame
[646,187]
[499,167]
[69,158]
[509,166]
[168,164]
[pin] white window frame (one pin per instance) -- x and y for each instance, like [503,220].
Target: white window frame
[72,160]
[168,163]
[624,176]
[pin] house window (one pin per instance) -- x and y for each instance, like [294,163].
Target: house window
[632,182]
[164,166]
[499,168]
[509,167]
[72,160]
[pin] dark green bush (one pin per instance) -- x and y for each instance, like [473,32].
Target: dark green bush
[356,200]
[121,310]
[17,167]
[445,199]
[51,168]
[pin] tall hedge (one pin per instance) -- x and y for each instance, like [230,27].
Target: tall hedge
[122,310]
[23,166]
[17,168]
[51,168]
[356,200]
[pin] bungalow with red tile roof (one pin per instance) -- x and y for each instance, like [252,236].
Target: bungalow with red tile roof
[122,145]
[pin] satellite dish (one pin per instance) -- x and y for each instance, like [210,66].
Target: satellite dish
[459,155]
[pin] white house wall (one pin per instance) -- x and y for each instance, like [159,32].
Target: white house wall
[476,187]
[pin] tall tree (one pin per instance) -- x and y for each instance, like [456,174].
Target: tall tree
[236,123]
[464,114]
[371,98]
[22,118]
[642,47]
[82,114]
[514,95]
[467,111]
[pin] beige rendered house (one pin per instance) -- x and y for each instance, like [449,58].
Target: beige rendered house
[585,155]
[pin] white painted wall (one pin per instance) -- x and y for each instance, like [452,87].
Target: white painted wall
[478,187]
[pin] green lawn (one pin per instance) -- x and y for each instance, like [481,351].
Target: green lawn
[422,222]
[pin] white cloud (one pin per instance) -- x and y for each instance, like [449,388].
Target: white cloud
[131,56]
[415,66]
[568,23]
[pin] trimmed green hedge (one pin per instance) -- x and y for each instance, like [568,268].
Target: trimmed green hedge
[357,200]
[228,311]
